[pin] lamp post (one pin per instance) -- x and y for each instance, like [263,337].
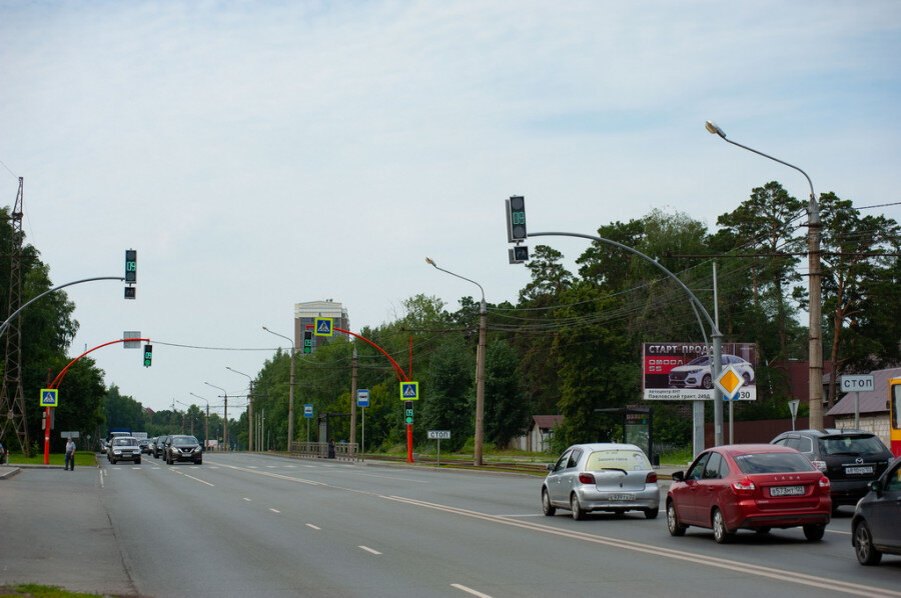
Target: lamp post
[225,418]
[480,369]
[290,389]
[815,309]
[249,409]
[206,424]
[192,415]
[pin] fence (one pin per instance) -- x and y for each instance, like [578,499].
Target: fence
[343,451]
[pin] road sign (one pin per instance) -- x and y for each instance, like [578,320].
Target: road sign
[439,434]
[729,382]
[131,344]
[409,391]
[49,397]
[69,434]
[363,397]
[857,383]
[323,327]
[308,411]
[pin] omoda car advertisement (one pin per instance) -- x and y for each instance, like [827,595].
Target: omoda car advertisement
[682,371]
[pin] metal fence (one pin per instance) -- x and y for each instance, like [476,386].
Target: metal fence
[342,451]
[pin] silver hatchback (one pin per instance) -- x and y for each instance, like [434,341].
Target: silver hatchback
[601,477]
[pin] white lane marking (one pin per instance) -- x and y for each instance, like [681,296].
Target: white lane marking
[369,550]
[247,499]
[274,510]
[311,526]
[101,478]
[199,480]
[838,531]
[463,588]
[271,466]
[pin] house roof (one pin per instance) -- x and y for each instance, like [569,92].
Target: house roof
[547,422]
[874,401]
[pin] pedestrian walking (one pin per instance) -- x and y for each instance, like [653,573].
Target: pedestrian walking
[70,455]
[331,449]
[2,456]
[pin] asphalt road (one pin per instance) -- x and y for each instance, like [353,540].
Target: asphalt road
[257,525]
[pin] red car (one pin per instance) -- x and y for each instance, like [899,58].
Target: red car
[749,486]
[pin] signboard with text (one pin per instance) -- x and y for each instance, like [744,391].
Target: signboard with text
[683,372]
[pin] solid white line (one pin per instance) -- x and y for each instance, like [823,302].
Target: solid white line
[199,480]
[463,588]
[247,499]
[274,510]
[310,525]
[101,478]
[367,549]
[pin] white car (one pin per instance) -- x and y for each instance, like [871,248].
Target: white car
[696,373]
[124,448]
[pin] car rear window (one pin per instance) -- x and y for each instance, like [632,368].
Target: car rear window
[773,463]
[629,460]
[852,445]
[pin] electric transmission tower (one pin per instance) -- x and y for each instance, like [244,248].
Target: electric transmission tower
[12,400]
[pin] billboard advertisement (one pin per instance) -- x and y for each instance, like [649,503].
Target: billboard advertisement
[682,371]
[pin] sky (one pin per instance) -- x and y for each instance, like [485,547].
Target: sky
[260,154]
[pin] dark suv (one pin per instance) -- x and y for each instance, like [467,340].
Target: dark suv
[182,448]
[851,459]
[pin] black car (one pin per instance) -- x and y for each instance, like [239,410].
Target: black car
[144,443]
[874,527]
[182,448]
[851,459]
[159,446]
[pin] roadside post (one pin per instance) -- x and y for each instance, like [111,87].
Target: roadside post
[438,435]
[363,403]
[793,407]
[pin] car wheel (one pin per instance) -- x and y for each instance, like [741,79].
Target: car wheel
[112,461]
[138,461]
[707,382]
[546,507]
[651,513]
[672,521]
[576,508]
[863,545]
[814,532]
[747,378]
[198,462]
[720,532]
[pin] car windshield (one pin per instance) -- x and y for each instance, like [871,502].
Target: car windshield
[123,441]
[629,460]
[773,463]
[702,360]
[852,445]
[184,440]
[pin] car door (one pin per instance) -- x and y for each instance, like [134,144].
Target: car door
[687,496]
[710,487]
[554,478]
[885,511]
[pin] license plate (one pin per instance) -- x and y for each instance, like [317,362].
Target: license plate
[786,490]
[620,497]
[867,469]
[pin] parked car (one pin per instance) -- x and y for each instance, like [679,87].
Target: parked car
[875,525]
[183,448]
[124,448]
[159,446]
[749,486]
[696,373]
[601,477]
[851,459]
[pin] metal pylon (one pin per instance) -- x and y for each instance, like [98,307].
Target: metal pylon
[12,400]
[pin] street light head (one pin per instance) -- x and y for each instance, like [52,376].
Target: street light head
[428,260]
[714,129]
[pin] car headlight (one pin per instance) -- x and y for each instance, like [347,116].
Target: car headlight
[116,451]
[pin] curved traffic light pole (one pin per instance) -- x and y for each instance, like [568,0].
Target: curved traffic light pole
[59,379]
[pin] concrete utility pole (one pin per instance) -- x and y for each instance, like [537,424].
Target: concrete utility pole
[290,388]
[815,294]
[225,417]
[249,409]
[206,423]
[353,399]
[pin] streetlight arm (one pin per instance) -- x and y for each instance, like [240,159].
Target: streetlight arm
[429,260]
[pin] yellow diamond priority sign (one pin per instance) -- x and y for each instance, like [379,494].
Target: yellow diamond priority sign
[729,382]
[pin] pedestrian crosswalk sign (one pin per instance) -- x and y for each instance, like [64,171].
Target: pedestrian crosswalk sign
[409,391]
[323,327]
[49,397]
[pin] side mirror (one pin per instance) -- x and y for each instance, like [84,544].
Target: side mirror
[679,476]
[876,487]
[550,466]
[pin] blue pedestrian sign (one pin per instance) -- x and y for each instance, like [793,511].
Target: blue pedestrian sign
[308,411]
[363,397]
[323,327]
[409,391]
[49,397]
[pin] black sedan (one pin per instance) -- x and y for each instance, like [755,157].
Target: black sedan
[182,448]
[874,526]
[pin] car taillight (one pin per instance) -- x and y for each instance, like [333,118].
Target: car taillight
[586,478]
[824,483]
[821,465]
[652,478]
[744,486]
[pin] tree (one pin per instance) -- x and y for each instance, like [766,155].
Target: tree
[506,410]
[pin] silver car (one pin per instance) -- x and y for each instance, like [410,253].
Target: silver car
[124,448]
[601,477]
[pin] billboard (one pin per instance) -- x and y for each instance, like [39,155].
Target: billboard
[682,371]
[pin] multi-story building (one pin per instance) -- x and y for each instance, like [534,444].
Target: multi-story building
[306,314]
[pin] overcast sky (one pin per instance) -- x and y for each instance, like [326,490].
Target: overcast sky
[260,154]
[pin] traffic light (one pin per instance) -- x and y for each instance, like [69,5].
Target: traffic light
[307,341]
[148,355]
[516,218]
[518,254]
[131,266]
[130,292]
[408,412]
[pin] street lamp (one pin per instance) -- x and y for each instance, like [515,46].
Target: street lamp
[249,409]
[290,389]
[815,309]
[480,368]
[192,416]
[225,418]
[206,425]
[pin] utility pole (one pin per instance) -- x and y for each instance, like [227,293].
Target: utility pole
[353,399]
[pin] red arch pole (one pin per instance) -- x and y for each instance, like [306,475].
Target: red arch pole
[58,380]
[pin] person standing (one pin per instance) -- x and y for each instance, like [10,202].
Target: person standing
[1,454]
[70,455]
